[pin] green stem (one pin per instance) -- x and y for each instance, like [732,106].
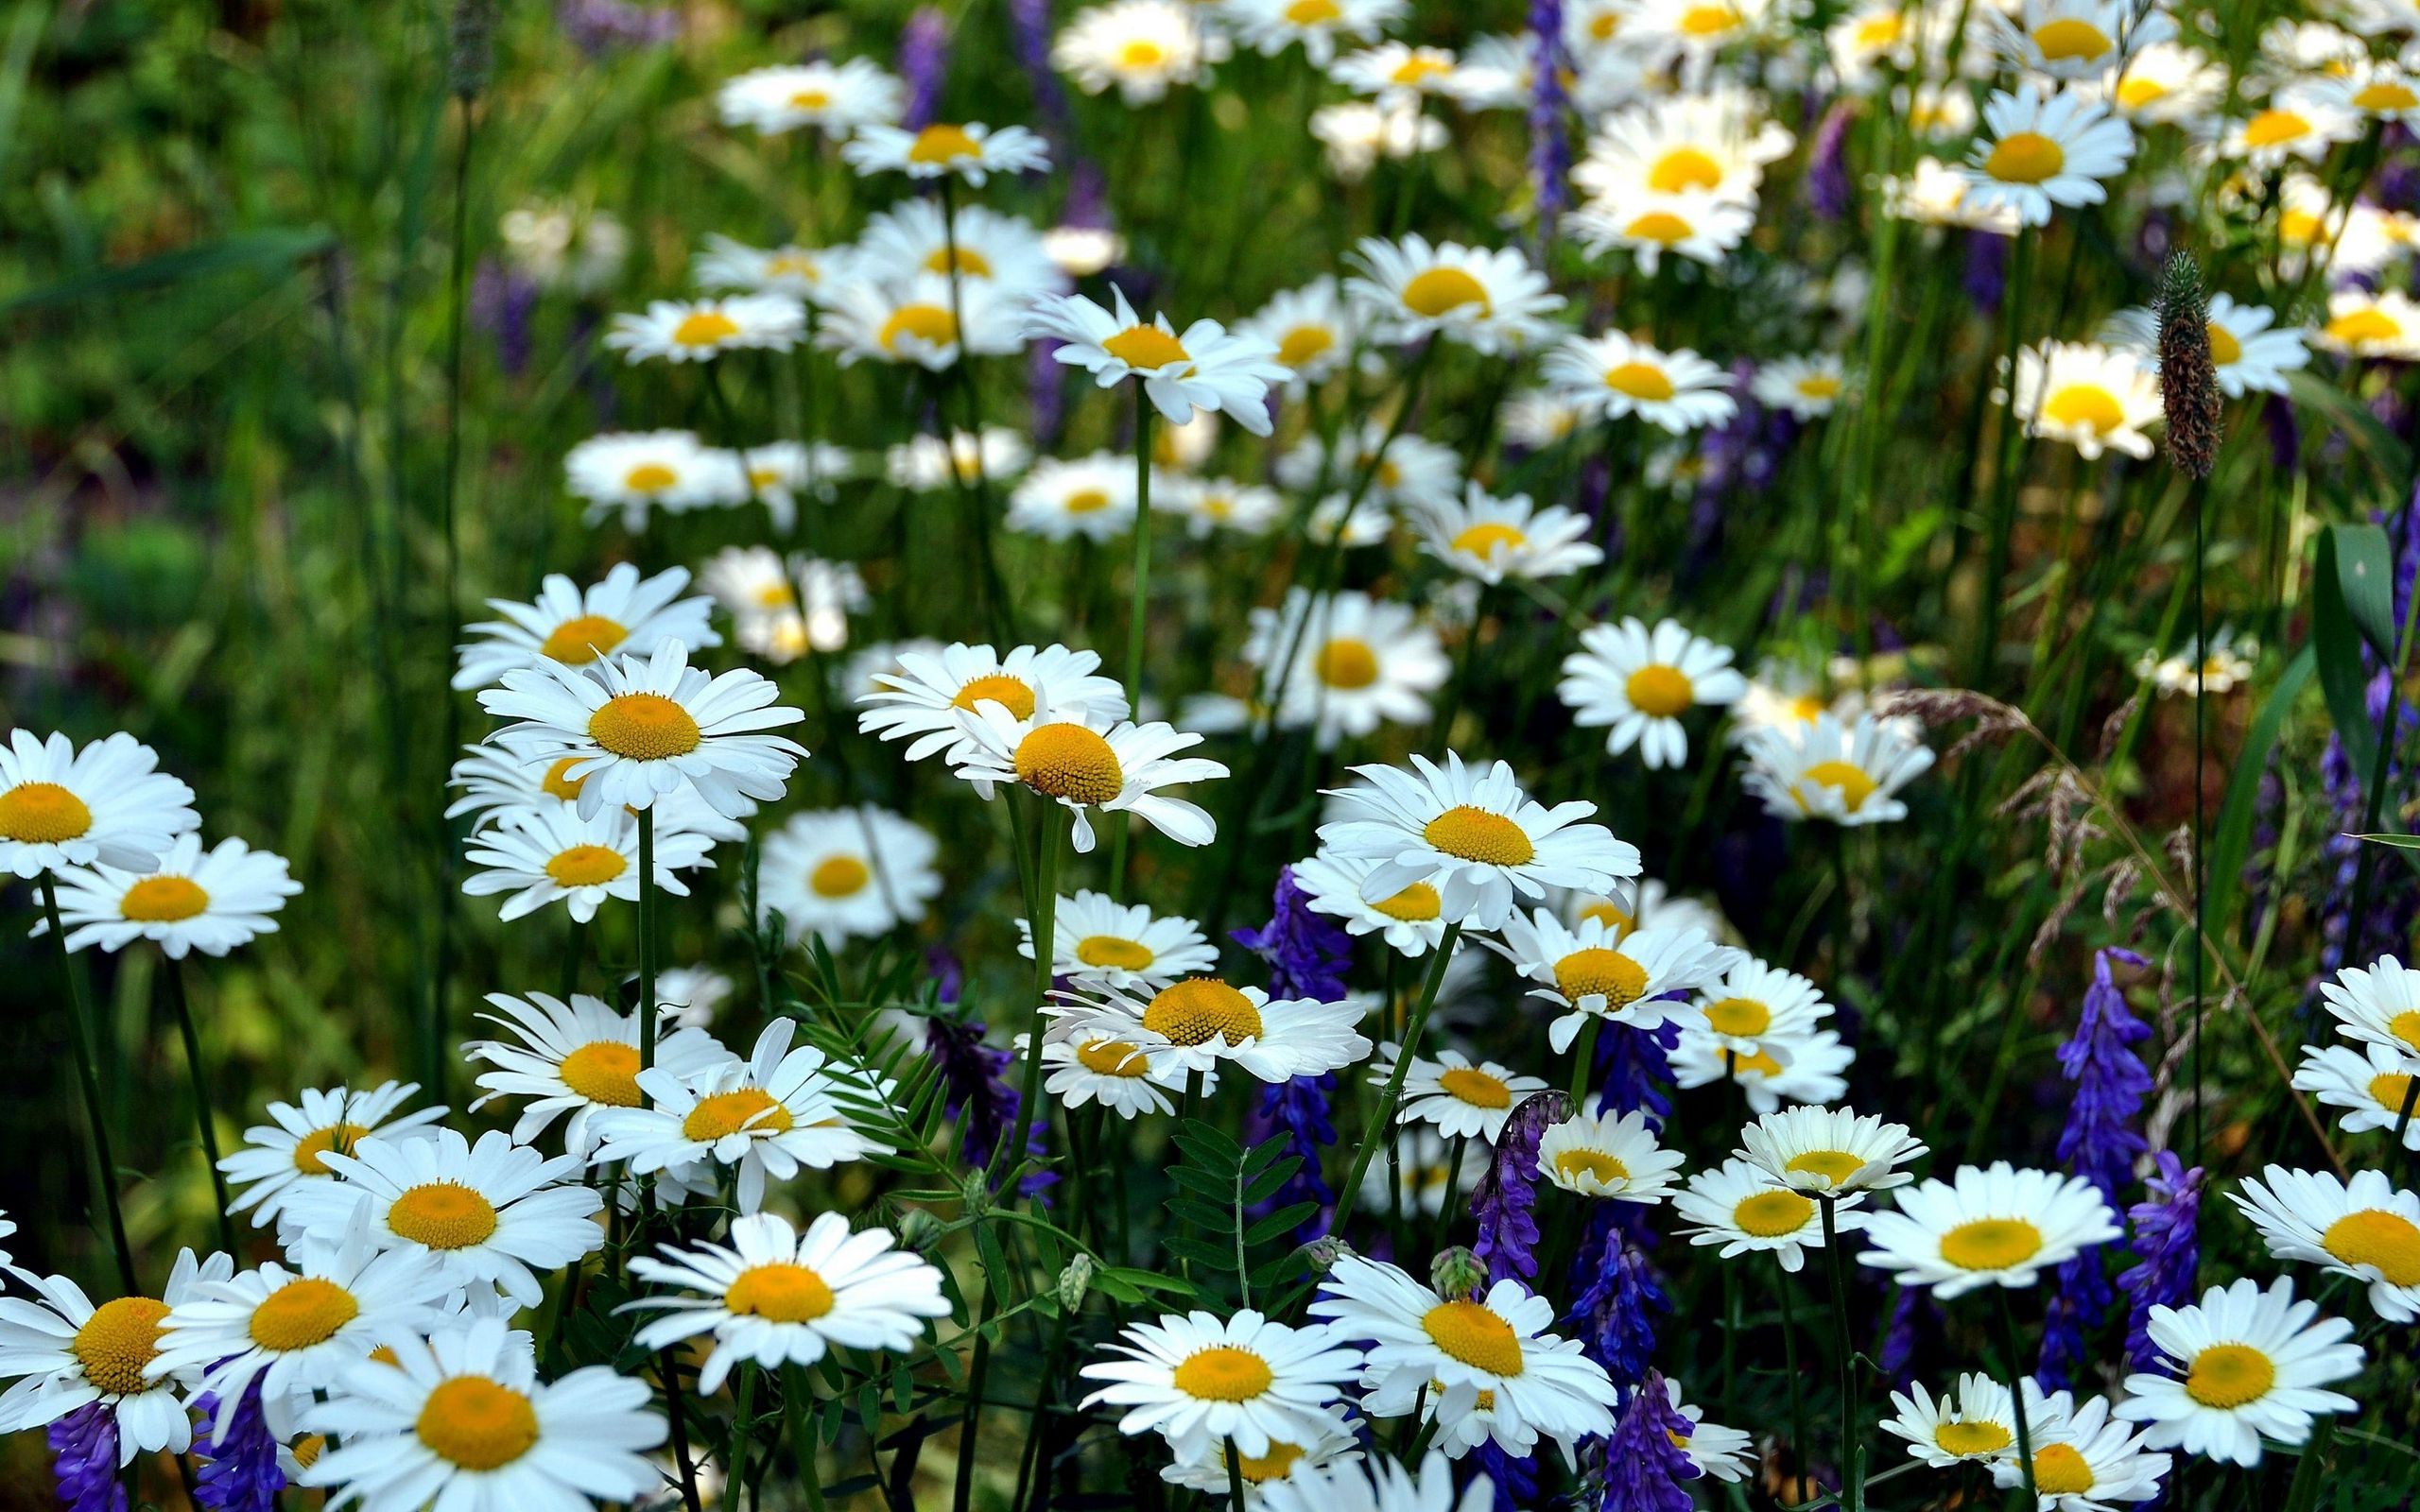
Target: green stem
[1137,614]
[1382,1117]
[203,1123]
[743,1404]
[1584,1061]
[1235,1480]
[86,1075]
[1852,1447]
[647,939]
[2016,1396]
[2011,450]
[1042,911]
[1800,1445]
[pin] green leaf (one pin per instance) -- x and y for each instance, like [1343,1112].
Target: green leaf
[2337,638]
[2399,842]
[261,250]
[2310,394]
[2231,838]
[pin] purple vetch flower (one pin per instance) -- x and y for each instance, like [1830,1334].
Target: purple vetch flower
[2167,1244]
[84,1447]
[502,303]
[2080,1300]
[1030,35]
[1614,1308]
[1549,117]
[1986,276]
[924,62]
[1829,194]
[1910,1315]
[949,978]
[978,1094]
[599,28]
[1046,390]
[1306,953]
[1644,1465]
[1633,1065]
[1300,1108]
[1507,1193]
[241,1472]
[2285,436]
[2099,1142]
[1515,1480]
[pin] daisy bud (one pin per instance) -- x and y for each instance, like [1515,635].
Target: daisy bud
[919,1229]
[1321,1255]
[1074,1282]
[1456,1272]
[976,1193]
[2187,380]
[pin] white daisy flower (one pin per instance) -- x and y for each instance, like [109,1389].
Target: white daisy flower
[1412,922]
[2366,1229]
[919,319]
[1096,941]
[2362,324]
[2075,39]
[1089,496]
[1203,369]
[928,464]
[1474,836]
[286,1158]
[1980,1423]
[837,99]
[1491,538]
[2083,1460]
[462,1421]
[1378,1485]
[1488,300]
[1203,1023]
[728,267]
[700,330]
[1405,471]
[1596,970]
[2243,1364]
[1396,74]
[2368,1082]
[2089,396]
[1358,663]
[1700,227]
[972,152]
[688,997]
[1338,1444]
[1756,1004]
[1728,1454]
[1354,134]
[1739,1208]
[1003,251]
[65,1353]
[1461,1097]
[1636,683]
[2301,121]
[1207,504]
[769,1116]
[1688,33]
[2381,91]
[1717,144]
[1141,48]
[1423,1172]
[106,804]
[2165,84]
[2038,153]
[1602,1155]
[492,1215]
[778,474]
[840,874]
[1808,387]
[573,626]
[547,853]
[1201,1382]
[753,586]
[1423,1345]
[1270,26]
[1611,376]
[1084,1062]
[1987,1225]
[578,1058]
[927,699]
[2247,353]
[1825,771]
[1315,330]
[1829,1150]
[1083,760]
[1935,193]
[188,901]
[636,472]
[1537,419]
[2219,668]
[774,1296]
[1797,1068]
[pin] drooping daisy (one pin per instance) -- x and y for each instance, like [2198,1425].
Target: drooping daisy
[64,1353]
[462,1422]
[1825,771]
[1083,761]
[1636,683]
[2368,1082]
[106,804]
[1423,1172]
[1492,539]
[636,472]
[735,267]
[1804,1068]
[2082,1460]
[1141,48]
[1808,387]
[1649,225]
[580,1058]
[492,1215]
[641,729]
[1396,74]
[188,901]
[834,99]
[2224,666]
[1739,1208]
[1451,1351]
[1203,369]
[2074,40]
[547,853]
[926,702]
[1756,1002]
[1472,834]
[574,626]
[2038,153]
[2366,1229]
[1204,1023]
[2247,354]
[1403,471]
[1980,1423]
[1273,26]
[1987,1225]
[286,1158]
[1490,300]
[1084,1062]
[1607,1156]
[1004,251]
[1356,133]
[779,473]
[1096,941]
[1459,1095]
[1829,1150]
[1358,663]
[774,1297]
[1537,419]
[1717,144]
[1592,970]
[2165,83]
[1935,193]
[1338,1444]
[839,874]
[2089,396]
[768,1116]
[701,330]
[1089,496]
[926,464]
[1612,376]
[2301,120]
[688,997]
[972,152]
[2243,1364]
[2362,324]
[1688,33]
[1208,503]
[1200,1380]
[2377,1006]
[1412,922]
[919,319]
[1315,331]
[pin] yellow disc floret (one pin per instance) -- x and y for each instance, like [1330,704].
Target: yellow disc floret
[477,1424]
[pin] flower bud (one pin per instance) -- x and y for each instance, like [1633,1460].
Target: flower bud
[1456,1272]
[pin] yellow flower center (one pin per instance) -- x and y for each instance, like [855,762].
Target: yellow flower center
[1346,662]
[1470,834]
[477,1424]
[928,323]
[309,1449]
[2374,1237]
[2385,95]
[1847,778]
[1756,1061]
[1314,12]
[649,477]
[752,1110]
[116,1341]
[556,784]
[337,1139]
[970,264]
[1487,537]
[1113,1057]
[582,639]
[2229,1375]
[1640,380]
[1140,55]
[1114,951]
[41,813]
[604,1072]
[1683,169]
[1201,1008]
[644,726]
[2225,351]
[704,328]
[1661,227]
[2137,92]
[1771,1214]
[1596,1163]
[1608,913]
[1279,1462]
[2060,1470]
[1441,290]
[1709,21]
[1418,69]
[2274,127]
[1416,904]
[779,1294]
[162,900]
[1877,32]
[1834,1166]
[1306,344]
[1819,385]
[1088,501]
[302,1314]
[2355,328]
[1468,1084]
[1991,1244]
[1146,348]
[1222,1374]
[839,877]
[1604,25]
[997,688]
[809,99]
[1745,1018]
[2025,156]
[2388,1088]
[940,144]
[1970,1438]
[585,865]
[2086,406]
[1474,1336]
[2298,228]
[1597,970]
[443,1215]
[2068,40]
[1660,692]
[1071,763]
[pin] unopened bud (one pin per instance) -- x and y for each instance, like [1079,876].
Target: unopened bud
[473,46]
[1456,1272]
[919,1229]
[1075,1281]
[1321,1254]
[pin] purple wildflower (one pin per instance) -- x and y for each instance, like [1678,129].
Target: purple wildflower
[84,1446]
[1300,1108]
[502,303]
[1306,953]
[1549,126]
[1613,1314]
[2099,1142]
[2168,1246]
[1910,1315]
[1829,193]
[1029,34]
[924,61]
[241,1473]
[1645,1467]
[1515,1480]
[1632,1065]
[599,28]
[1986,276]
[979,1096]
[2285,434]
[1508,1232]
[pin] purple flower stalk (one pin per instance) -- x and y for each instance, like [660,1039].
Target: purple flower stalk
[599,28]
[2168,1247]
[1910,1315]
[1829,193]
[1029,34]
[924,62]
[1632,1067]
[1645,1468]
[1986,276]
[1515,1480]
[2099,1142]
[1507,1193]
[84,1447]
[241,1473]
[1300,1108]
[1617,1299]
[1306,953]
[978,1094]
[1550,123]
[502,304]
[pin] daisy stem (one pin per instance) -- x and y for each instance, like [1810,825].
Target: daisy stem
[1235,1478]
[647,939]
[1042,911]
[2011,449]
[89,1081]
[2016,1395]
[1382,1117]
[203,1123]
[1852,1447]
[1799,1443]
[1583,1061]
[1137,613]
[743,1405]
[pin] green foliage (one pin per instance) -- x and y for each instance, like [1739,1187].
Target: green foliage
[1229,1252]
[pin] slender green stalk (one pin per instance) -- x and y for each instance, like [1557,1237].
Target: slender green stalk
[1584,1061]
[1139,612]
[1235,1478]
[1042,911]
[647,939]
[88,1077]
[1852,1444]
[2016,1392]
[449,492]
[2011,450]
[743,1405]
[203,1123]
[2201,493]
[1382,1118]
[1801,1447]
